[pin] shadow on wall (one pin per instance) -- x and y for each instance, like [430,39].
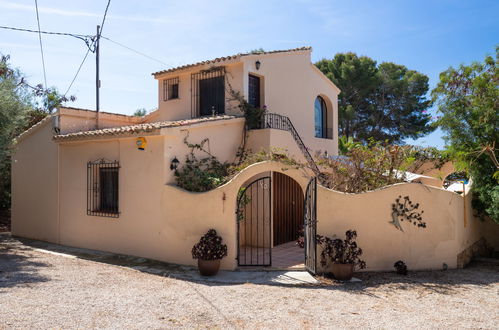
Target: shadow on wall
[18,268]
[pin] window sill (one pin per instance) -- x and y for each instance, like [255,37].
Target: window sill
[176,99]
[104,214]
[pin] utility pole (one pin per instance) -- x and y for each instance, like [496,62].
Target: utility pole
[97,80]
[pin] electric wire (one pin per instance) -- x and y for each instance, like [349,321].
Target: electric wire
[87,39]
[135,51]
[41,46]
[77,71]
[94,44]
[104,18]
[79,36]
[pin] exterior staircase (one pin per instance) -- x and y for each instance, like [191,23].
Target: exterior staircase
[277,121]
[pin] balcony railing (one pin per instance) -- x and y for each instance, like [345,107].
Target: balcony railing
[277,121]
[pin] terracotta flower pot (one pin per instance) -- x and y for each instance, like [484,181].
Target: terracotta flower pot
[343,272]
[208,267]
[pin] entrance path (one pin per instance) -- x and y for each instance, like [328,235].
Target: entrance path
[288,256]
[45,286]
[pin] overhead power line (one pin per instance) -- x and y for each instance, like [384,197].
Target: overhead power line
[77,71]
[85,38]
[46,32]
[41,46]
[104,18]
[135,51]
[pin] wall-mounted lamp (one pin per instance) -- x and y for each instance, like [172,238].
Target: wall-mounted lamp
[257,65]
[174,164]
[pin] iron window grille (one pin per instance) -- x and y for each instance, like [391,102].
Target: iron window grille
[208,92]
[102,188]
[170,89]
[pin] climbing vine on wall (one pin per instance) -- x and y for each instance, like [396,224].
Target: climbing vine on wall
[202,171]
[405,210]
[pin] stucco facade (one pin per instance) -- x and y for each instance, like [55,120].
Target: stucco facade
[156,219]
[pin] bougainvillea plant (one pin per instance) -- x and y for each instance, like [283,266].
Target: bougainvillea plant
[209,247]
[341,251]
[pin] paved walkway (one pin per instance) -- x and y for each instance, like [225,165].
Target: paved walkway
[288,256]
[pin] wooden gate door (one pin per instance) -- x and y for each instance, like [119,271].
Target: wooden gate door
[287,208]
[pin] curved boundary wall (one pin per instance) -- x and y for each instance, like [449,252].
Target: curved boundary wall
[451,230]
[166,222]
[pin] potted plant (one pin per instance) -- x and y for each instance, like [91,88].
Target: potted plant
[209,251]
[343,254]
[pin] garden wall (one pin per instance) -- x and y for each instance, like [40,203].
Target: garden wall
[450,226]
[189,215]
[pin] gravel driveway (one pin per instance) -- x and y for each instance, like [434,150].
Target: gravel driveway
[48,290]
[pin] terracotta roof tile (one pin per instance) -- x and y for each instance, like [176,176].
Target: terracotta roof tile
[228,58]
[137,129]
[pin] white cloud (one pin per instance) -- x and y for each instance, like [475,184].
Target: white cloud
[77,13]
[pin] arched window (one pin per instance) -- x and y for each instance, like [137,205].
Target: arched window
[320,114]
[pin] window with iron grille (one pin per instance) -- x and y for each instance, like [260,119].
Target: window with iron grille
[170,89]
[102,188]
[208,92]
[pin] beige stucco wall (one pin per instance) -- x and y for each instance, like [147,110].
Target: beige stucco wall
[180,108]
[271,138]
[291,85]
[447,234]
[224,139]
[214,209]
[161,221]
[34,185]
[137,229]
[76,120]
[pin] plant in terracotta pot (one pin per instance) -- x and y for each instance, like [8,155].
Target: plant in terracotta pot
[343,254]
[209,251]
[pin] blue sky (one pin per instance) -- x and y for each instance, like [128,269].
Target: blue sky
[427,36]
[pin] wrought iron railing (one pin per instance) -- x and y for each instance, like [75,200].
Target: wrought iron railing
[277,121]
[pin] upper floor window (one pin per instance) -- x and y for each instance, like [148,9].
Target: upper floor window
[320,115]
[208,92]
[170,89]
[102,188]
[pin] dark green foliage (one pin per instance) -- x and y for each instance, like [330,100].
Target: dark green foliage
[15,103]
[201,174]
[400,267]
[209,247]
[253,116]
[468,101]
[339,251]
[21,106]
[140,112]
[485,188]
[385,102]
